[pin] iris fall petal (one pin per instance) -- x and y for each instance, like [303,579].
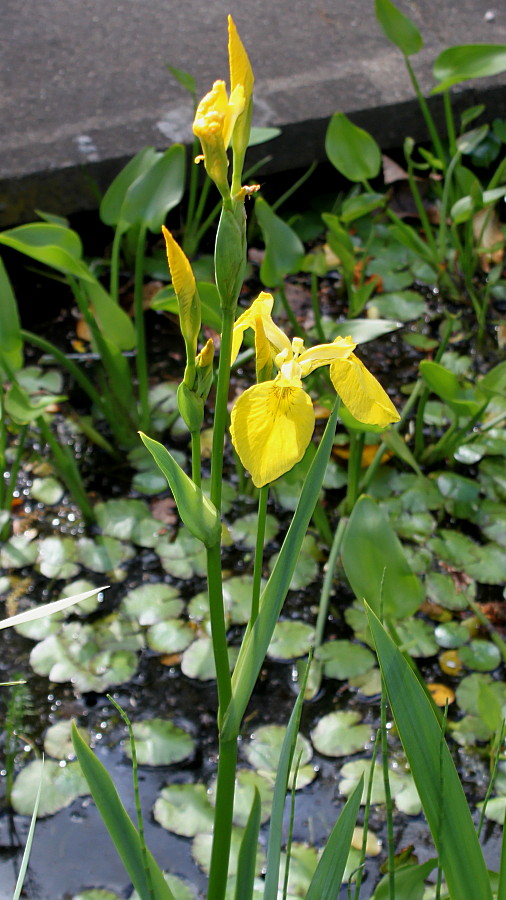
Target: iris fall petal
[361,393]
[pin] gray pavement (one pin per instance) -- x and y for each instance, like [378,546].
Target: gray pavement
[84,84]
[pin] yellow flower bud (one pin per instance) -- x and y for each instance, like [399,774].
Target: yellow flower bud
[184,284]
[214,123]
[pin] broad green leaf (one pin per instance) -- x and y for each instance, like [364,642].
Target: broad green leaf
[387,578]
[409,882]
[201,851]
[361,205]
[11,342]
[290,639]
[261,134]
[481,655]
[197,512]
[464,401]
[169,637]
[119,825]
[398,28]
[430,762]
[23,408]
[352,150]
[343,659]
[265,750]
[112,201]
[402,305]
[158,742]
[156,191]
[60,787]
[284,251]
[57,247]
[115,325]
[153,602]
[339,734]
[198,660]
[184,809]
[58,740]
[467,61]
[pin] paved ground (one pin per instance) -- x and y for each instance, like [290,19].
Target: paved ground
[84,84]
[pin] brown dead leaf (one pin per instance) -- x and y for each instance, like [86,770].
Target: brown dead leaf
[392,171]
[441,694]
[164,510]
[170,659]
[83,333]
[149,291]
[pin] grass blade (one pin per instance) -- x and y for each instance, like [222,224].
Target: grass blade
[450,821]
[29,840]
[326,881]
[246,863]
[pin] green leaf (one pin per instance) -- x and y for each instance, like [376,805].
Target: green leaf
[246,860]
[185,79]
[55,246]
[284,251]
[328,877]
[343,659]
[409,882]
[398,28]
[462,400]
[431,764]
[403,305]
[114,323]
[11,342]
[467,61]
[158,742]
[197,512]
[113,199]
[60,787]
[184,809]
[480,655]
[339,734]
[119,824]
[387,577]
[352,150]
[261,134]
[156,191]
[290,639]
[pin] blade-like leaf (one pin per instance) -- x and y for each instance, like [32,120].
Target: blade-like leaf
[257,637]
[197,512]
[11,342]
[246,862]
[112,320]
[398,28]
[370,537]
[49,608]
[467,61]
[284,250]
[326,881]
[352,150]
[434,772]
[156,191]
[122,831]
[29,841]
[113,199]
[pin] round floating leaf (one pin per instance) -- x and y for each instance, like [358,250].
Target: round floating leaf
[198,659]
[201,851]
[469,730]
[38,629]
[339,734]
[57,557]
[291,639]
[343,659]
[417,637]
[490,566]
[84,607]
[20,550]
[471,690]
[368,684]
[61,785]
[183,558]
[402,305]
[58,742]
[401,785]
[245,783]
[169,637]
[451,635]
[244,530]
[47,490]
[159,742]
[184,809]
[264,750]
[96,895]
[118,518]
[180,890]
[104,554]
[445,591]
[480,655]
[152,603]
[496,808]
[303,862]
[314,678]
[407,799]
[236,599]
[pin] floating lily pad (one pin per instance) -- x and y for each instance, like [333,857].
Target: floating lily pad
[152,603]
[245,783]
[314,678]
[184,809]
[96,895]
[339,734]
[451,635]
[496,808]
[291,639]
[264,750]
[303,862]
[401,783]
[58,741]
[38,629]
[343,659]
[85,607]
[183,558]
[198,659]
[180,889]
[19,551]
[448,592]
[470,730]
[244,530]
[471,697]
[60,787]
[490,566]
[158,742]
[172,636]
[58,557]
[47,490]
[491,517]
[201,851]
[236,599]
[368,684]
[92,657]
[306,569]
[417,637]
[104,554]
[481,655]
[402,305]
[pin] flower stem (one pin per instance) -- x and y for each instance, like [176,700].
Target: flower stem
[220,410]
[222,819]
[141,358]
[327,582]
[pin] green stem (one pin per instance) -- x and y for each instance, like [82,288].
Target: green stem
[354,469]
[294,187]
[220,410]
[218,629]
[388,794]
[114,271]
[429,121]
[429,234]
[3,449]
[141,358]
[192,193]
[225,786]
[316,308]
[367,810]
[67,468]
[323,607]
[196,467]
[263,496]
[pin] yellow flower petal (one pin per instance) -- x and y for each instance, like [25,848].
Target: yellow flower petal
[240,67]
[260,308]
[271,427]
[185,287]
[325,354]
[361,393]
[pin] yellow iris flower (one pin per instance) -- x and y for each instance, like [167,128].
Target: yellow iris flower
[272,422]
[214,124]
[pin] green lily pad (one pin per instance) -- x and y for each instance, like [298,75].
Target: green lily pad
[183,558]
[469,730]
[236,599]
[60,787]
[201,851]
[493,478]
[451,634]
[58,742]
[343,659]
[244,530]
[339,734]
[290,639]
[490,566]
[57,557]
[480,655]
[169,637]
[368,684]
[470,687]
[158,742]
[496,808]
[303,862]
[47,490]
[152,603]
[118,518]
[460,493]
[19,551]
[198,660]
[245,783]
[306,569]
[96,895]
[184,809]
[314,678]
[417,637]
[402,305]
[413,526]
[444,591]
[104,554]
[264,750]
[401,783]
[85,607]
[491,517]
[179,888]
[38,629]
